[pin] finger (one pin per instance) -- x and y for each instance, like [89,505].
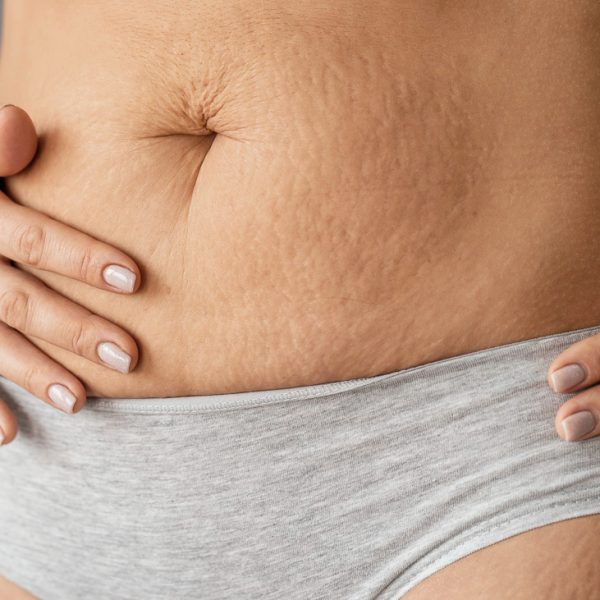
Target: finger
[27,366]
[31,307]
[577,367]
[578,418]
[32,238]
[8,424]
[18,140]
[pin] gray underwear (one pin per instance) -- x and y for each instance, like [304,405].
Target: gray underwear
[351,490]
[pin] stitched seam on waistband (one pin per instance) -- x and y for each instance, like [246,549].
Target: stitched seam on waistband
[202,404]
[129,405]
[318,391]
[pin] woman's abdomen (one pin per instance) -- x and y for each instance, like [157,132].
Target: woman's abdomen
[337,195]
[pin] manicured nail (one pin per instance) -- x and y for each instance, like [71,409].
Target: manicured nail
[567,377]
[578,425]
[114,357]
[62,397]
[119,277]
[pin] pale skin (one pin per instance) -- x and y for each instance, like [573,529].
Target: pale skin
[31,307]
[486,167]
[68,325]
[17,148]
[9,589]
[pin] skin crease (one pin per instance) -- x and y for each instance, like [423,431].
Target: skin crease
[305,213]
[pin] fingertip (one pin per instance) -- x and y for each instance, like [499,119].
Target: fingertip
[135,359]
[578,424]
[80,400]
[569,377]
[123,279]
[66,393]
[138,280]
[549,381]
[8,424]
[18,140]
[80,393]
[122,354]
[78,406]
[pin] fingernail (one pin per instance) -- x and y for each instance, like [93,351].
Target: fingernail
[7,105]
[2,437]
[62,397]
[120,277]
[114,357]
[578,425]
[567,377]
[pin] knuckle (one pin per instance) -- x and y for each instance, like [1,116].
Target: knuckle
[29,241]
[89,262]
[15,308]
[80,338]
[29,378]
[83,336]
[86,263]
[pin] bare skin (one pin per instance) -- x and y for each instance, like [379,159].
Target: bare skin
[28,306]
[317,194]
[9,590]
[556,562]
[317,239]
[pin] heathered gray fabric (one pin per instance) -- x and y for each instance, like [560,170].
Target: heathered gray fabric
[352,490]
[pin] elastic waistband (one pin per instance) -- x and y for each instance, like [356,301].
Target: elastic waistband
[553,343]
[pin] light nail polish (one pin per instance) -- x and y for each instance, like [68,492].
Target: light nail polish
[119,277]
[62,397]
[577,425]
[567,377]
[114,357]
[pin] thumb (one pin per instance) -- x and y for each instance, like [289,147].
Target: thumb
[18,140]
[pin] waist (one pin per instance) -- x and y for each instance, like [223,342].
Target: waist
[346,215]
[244,315]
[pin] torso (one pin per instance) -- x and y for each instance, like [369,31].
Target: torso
[386,187]
[316,192]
